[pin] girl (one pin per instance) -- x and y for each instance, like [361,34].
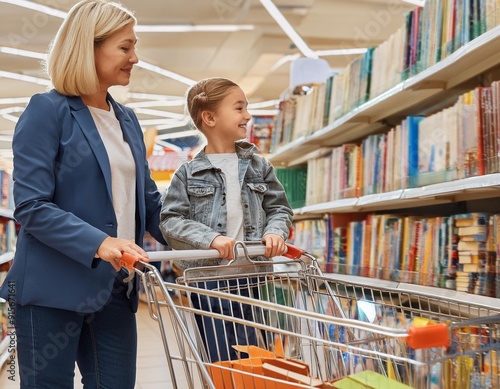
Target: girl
[227,193]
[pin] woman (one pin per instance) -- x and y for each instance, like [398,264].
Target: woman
[83,196]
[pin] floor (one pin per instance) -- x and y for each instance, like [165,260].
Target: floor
[152,372]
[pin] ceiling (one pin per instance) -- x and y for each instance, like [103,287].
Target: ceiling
[249,57]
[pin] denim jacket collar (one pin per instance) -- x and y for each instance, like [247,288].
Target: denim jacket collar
[244,150]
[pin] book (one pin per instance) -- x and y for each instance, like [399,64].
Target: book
[471,219]
[471,246]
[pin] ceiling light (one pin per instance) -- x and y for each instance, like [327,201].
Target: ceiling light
[141,64]
[419,3]
[166,73]
[157,103]
[263,112]
[159,122]
[175,135]
[284,60]
[139,28]
[37,7]
[22,77]
[263,104]
[194,28]
[325,53]
[10,117]
[151,96]
[157,112]
[288,29]
[22,53]
[14,100]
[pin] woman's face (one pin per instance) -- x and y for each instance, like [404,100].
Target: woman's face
[115,57]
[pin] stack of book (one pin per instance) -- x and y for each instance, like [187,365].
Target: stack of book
[472,248]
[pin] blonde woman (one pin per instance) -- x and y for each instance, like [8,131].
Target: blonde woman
[83,196]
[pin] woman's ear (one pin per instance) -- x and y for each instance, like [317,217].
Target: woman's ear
[208,118]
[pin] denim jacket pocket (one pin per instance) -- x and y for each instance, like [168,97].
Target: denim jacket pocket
[259,187]
[202,200]
[201,191]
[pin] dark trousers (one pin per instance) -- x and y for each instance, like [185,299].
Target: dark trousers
[104,344]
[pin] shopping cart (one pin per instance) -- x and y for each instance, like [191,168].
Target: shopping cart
[306,332]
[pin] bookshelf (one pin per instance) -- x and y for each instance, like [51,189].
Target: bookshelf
[427,91]
[474,64]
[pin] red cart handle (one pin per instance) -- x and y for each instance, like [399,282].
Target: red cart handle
[293,252]
[128,261]
[434,335]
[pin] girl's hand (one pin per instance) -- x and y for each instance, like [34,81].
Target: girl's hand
[111,250]
[224,246]
[275,245]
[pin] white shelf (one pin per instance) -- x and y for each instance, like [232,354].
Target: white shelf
[486,186]
[422,90]
[489,303]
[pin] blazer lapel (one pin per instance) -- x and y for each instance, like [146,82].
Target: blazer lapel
[84,119]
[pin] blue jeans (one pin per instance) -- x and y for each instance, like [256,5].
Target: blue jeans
[104,345]
[219,336]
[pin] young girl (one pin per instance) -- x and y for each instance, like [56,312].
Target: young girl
[227,193]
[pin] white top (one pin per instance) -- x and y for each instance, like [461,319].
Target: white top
[228,163]
[122,164]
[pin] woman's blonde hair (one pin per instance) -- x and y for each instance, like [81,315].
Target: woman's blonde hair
[206,95]
[71,61]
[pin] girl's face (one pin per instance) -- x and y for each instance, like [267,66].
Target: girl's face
[232,116]
[115,57]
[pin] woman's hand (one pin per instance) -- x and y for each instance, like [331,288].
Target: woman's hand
[111,250]
[224,246]
[275,245]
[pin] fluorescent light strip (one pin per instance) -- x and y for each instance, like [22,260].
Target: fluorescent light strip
[263,104]
[325,53]
[141,64]
[10,117]
[22,77]
[263,112]
[156,103]
[37,7]
[22,53]
[288,29]
[152,96]
[14,100]
[157,112]
[418,3]
[9,110]
[160,122]
[194,28]
[139,28]
[180,134]
[166,73]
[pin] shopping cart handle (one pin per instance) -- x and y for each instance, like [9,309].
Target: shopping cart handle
[433,335]
[293,252]
[128,261]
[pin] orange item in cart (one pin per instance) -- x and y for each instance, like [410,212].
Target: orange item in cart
[259,369]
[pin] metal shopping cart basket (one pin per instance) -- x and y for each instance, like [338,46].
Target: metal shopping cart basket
[301,332]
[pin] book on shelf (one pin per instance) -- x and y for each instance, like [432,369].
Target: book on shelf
[471,219]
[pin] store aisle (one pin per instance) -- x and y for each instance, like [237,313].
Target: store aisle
[152,372]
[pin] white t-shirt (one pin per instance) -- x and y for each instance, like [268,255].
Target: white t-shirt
[122,164]
[228,163]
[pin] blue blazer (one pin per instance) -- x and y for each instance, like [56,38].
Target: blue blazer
[63,199]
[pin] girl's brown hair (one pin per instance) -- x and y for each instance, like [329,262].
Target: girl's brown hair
[206,95]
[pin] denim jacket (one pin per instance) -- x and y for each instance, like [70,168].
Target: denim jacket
[194,209]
